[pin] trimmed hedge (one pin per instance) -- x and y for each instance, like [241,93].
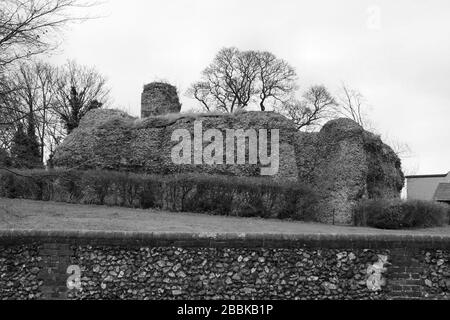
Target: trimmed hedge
[222,195]
[400,214]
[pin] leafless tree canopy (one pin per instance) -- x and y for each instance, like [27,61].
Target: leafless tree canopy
[352,105]
[9,113]
[228,83]
[25,26]
[8,102]
[401,149]
[315,107]
[276,79]
[34,83]
[78,89]
[236,79]
[50,99]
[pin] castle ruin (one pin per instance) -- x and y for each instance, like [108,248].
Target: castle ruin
[343,161]
[159,98]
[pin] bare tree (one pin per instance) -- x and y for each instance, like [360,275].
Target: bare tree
[276,79]
[78,89]
[352,105]
[228,82]
[46,117]
[9,113]
[236,79]
[35,100]
[49,100]
[29,28]
[25,26]
[315,107]
[202,92]
[401,148]
[26,92]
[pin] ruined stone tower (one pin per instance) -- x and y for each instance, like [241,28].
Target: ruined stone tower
[159,98]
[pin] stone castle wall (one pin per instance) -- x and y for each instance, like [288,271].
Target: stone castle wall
[343,161]
[159,98]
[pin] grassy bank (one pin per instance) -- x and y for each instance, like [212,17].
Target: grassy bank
[47,215]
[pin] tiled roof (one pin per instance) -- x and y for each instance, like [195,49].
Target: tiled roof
[442,192]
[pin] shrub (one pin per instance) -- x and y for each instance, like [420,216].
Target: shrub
[96,186]
[215,194]
[424,214]
[400,214]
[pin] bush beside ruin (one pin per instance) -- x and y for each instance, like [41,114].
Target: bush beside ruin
[400,214]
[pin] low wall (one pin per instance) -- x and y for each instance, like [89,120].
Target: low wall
[128,265]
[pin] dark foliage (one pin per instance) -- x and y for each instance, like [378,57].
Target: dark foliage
[25,150]
[5,159]
[221,195]
[400,214]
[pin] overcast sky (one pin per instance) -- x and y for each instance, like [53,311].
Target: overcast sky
[397,53]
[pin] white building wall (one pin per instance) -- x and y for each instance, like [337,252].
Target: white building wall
[423,188]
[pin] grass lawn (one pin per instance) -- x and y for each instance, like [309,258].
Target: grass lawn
[42,215]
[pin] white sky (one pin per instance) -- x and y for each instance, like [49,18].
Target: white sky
[400,62]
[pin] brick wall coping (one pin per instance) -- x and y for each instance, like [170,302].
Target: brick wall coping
[209,239]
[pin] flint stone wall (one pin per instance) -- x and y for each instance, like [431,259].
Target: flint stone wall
[37,265]
[343,161]
[159,98]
